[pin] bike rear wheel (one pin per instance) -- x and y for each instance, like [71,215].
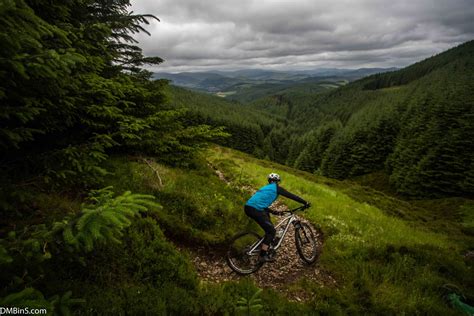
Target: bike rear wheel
[240,258]
[306,243]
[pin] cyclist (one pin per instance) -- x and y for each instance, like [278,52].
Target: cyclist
[257,209]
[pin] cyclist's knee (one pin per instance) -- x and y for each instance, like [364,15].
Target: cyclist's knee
[271,231]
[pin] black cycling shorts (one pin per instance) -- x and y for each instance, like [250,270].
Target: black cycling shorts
[263,219]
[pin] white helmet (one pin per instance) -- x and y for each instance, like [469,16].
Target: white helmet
[274,177]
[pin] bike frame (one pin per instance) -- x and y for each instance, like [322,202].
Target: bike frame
[290,219]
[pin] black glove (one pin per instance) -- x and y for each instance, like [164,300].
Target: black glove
[273,212]
[307,205]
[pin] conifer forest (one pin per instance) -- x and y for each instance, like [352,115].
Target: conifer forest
[121,191]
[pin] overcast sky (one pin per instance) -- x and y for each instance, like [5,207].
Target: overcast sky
[199,35]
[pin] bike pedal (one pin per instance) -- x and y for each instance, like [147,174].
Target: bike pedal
[266,258]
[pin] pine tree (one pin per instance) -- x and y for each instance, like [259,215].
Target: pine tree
[72,92]
[317,142]
[433,155]
[73,89]
[363,144]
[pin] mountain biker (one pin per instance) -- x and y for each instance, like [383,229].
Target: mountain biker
[257,209]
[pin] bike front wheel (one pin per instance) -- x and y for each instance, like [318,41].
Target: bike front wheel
[243,253]
[306,243]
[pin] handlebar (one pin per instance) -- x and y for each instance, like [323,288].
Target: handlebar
[303,207]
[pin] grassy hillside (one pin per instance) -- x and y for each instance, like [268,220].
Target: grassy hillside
[386,256]
[383,263]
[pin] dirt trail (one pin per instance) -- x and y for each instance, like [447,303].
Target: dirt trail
[287,268]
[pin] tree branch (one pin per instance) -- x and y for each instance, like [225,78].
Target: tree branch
[156,171]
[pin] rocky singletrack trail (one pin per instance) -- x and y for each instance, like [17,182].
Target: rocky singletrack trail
[288,267]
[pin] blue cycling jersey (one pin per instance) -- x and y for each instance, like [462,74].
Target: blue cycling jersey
[264,197]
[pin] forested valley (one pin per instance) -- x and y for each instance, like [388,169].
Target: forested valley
[111,180]
[414,125]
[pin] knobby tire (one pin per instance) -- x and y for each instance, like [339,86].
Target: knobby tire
[306,243]
[237,258]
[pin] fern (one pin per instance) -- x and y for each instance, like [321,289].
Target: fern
[29,297]
[102,219]
[253,304]
[106,218]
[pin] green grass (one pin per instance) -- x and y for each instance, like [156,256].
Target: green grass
[387,256]
[198,208]
[382,263]
[334,210]
[146,274]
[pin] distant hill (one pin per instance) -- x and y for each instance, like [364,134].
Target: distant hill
[203,81]
[416,124]
[247,84]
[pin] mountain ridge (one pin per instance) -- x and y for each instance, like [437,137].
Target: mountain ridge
[225,81]
[402,122]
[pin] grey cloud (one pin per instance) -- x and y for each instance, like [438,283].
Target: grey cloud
[200,35]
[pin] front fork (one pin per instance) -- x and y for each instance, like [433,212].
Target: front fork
[304,238]
[297,224]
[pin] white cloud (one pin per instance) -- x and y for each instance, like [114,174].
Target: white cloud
[200,35]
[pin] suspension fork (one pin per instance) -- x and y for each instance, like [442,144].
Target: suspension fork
[297,224]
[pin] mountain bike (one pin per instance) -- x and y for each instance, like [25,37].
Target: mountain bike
[244,250]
